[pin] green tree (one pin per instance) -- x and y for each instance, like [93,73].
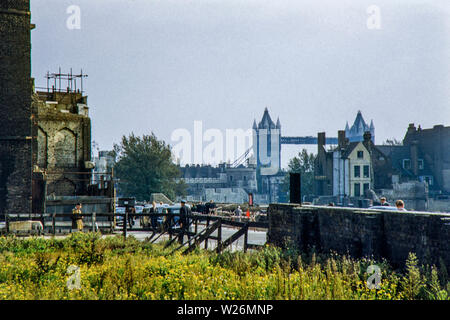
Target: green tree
[303,163]
[145,166]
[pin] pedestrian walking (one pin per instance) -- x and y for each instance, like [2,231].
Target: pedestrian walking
[185,213]
[212,207]
[154,218]
[130,217]
[238,213]
[77,218]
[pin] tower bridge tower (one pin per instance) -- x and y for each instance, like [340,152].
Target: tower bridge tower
[267,145]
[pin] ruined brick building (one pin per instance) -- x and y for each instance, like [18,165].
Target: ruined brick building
[15,107]
[45,136]
[63,144]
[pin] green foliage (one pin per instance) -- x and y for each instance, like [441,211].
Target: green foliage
[303,163]
[144,166]
[118,268]
[412,283]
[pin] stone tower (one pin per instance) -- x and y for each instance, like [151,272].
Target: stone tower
[267,145]
[359,127]
[15,107]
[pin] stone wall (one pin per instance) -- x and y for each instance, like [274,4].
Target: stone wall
[15,107]
[362,232]
[439,205]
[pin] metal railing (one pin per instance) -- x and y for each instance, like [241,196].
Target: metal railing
[55,223]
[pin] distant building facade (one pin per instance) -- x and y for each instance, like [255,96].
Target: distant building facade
[352,168]
[223,183]
[424,156]
[104,165]
[413,171]
[349,170]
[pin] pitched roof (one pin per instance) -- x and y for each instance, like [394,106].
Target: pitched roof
[266,121]
[349,148]
[359,125]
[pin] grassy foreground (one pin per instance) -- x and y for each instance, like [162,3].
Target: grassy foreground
[111,268]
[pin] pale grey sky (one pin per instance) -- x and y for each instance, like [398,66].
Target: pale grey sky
[158,65]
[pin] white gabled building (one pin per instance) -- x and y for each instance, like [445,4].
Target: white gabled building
[352,168]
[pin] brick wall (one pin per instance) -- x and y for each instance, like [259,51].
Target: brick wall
[360,232]
[64,144]
[15,106]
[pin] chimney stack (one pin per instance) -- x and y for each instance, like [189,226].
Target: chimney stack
[341,139]
[320,140]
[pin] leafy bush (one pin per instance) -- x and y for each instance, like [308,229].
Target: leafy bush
[114,268]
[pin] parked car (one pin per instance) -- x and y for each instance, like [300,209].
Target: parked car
[139,209]
[119,219]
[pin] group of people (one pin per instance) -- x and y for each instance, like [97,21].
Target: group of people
[153,221]
[239,213]
[206,208]
[399,204]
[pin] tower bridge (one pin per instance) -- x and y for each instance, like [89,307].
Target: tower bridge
[306,140]
[267,140]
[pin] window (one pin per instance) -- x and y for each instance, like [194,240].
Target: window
[366,172]
[357,189]
[427,179]
[360,154]
[406,164]
[357,170]
[366,187]
[420,164]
